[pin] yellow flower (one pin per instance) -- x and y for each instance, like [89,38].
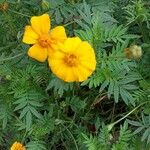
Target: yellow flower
[43,39]
[73,61]
[17,146]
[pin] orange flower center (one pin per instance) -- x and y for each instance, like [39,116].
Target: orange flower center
[45,40]
[70,60]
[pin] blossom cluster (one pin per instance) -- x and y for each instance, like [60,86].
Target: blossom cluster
[69,58]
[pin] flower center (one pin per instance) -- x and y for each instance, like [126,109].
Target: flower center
[70,60]
[45,40]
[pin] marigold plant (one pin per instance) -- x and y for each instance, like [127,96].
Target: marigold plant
[74,75]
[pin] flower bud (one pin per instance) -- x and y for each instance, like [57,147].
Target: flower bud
[4,6]
[133,52]
[8,77]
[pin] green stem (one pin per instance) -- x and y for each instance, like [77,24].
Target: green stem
[11,24]
[143,32]
[69,23]
[71,136]
[110,126]
[2,48]
[23,138]
[18,13]
[10,58]
[116,57]
[72,122]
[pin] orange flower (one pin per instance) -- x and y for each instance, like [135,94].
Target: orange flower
[73,61]
[17,146]
[43,39]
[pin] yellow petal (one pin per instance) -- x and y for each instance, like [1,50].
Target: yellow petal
[58,33]
[30,37]
[63,72]
[41,24]
[71,44]
[74,74]
[70,75]
[55,60]
[37,52]
[87,55]
[57,65]
[83,73]
[50,52]
[85,49]
[89,65]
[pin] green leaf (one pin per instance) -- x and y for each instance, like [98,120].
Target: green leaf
[20,106]
[59,86]
[28,120]
[110,88]
[123,95]
[104,85]
[34,112]
[116,92]
[35,103]
[146,134]
[24,111]
[36,145]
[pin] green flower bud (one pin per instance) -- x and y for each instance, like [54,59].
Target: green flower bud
[8,77]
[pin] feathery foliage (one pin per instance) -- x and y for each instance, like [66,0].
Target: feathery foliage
[108,111]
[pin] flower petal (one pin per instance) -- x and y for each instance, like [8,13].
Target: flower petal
[51,50]
[63,72]
[58,33]
[57,65]
[87,55]
[30,37]
[71,44]
[41,24]
[69,75]
[83,73]
[37,52]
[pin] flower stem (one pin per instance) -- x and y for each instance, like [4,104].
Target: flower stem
[110,126]
[71,136]
[10,58]
[13,11]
